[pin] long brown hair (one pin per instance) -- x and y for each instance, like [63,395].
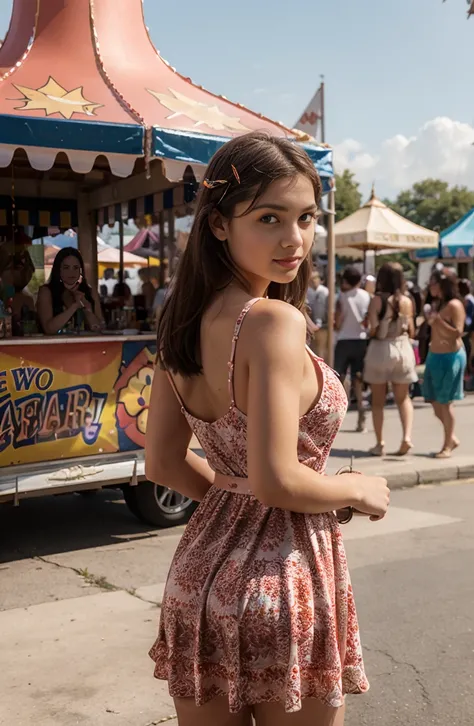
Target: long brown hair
[249,164]
[390,283]
[447,281]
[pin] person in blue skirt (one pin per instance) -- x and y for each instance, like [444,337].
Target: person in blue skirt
[446,362]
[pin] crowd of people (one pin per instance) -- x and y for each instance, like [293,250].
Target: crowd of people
[385,330]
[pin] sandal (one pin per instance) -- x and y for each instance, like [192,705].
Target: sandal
[444,454]
[405,447]
[447,451]
[377,450]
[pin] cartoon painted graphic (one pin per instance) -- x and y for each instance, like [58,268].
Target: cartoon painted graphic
[133,389]
[200,113]
[53,98]
[93,402]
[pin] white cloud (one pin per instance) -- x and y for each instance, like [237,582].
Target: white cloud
[441,148]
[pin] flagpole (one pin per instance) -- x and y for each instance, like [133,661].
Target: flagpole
[323,121]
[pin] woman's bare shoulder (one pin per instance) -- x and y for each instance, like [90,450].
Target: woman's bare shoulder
[271,316]
[455,305]
[44,292]
[277,327]
[406,302]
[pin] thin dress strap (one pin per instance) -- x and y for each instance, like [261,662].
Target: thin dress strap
[174,387]
[235,338]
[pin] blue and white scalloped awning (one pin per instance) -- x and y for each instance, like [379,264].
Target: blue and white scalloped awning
[82,141]
[455,242]
[179,149]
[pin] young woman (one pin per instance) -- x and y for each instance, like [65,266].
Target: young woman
[258,614]
[390,357]
[446,362]
[67,302]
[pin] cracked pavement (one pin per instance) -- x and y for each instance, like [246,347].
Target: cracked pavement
[81,582]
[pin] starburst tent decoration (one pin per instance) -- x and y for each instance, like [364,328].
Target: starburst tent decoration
[79,77]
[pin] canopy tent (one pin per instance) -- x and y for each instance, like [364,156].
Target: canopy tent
[146,238]
[110,257]
[377,227]
[455,243]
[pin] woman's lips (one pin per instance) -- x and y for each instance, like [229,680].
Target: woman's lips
[289,263]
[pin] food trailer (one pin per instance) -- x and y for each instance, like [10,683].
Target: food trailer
[108,133]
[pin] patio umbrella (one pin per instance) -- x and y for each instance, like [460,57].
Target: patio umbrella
[377,227]
[111,256]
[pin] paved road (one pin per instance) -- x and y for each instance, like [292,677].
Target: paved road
[80,582]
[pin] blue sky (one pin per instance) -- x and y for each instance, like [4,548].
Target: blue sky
[391,68]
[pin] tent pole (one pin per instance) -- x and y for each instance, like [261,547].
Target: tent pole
[331,275]
[121,273]
[162,250]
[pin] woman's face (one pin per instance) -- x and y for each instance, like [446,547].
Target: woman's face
[269,243]
[70,271]
[435,290]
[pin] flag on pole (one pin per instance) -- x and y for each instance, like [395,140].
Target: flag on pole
[312,118]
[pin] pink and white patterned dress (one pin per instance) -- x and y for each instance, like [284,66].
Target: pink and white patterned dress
[258,605]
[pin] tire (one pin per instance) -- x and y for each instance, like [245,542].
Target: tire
[157,505]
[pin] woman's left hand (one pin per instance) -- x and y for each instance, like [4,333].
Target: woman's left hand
[82,300]
[432,318]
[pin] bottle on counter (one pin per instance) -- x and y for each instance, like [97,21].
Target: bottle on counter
[2,320]
[9,318]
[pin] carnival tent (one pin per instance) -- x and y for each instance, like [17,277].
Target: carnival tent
[106,91]
[111,256]
[377,227]
[456,242]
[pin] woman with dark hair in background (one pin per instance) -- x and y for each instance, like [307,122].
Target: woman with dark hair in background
[67,302]
[258,616]
[390,357]
[446,361]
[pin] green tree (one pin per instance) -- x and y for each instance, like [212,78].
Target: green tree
[348,196]
[433,204]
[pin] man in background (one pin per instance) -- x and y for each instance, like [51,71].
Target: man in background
[352,308]
[317,301]
[107,283]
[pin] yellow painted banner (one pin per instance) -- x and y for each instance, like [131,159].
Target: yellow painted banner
[64,400]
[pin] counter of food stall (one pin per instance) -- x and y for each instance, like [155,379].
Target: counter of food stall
[73,414]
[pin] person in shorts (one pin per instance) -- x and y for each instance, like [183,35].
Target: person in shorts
[351,324]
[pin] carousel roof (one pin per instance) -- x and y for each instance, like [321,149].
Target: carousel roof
[72,81]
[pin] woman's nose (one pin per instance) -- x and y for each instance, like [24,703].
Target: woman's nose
[293,237]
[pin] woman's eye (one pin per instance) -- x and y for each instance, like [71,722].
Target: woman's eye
[268,219]
[307,218]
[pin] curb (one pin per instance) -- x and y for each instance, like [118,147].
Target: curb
[439,475]
[413,477]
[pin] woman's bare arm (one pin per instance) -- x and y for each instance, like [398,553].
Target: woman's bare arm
[94,317]
[276,367]
[375,307]
[168,460]
[50,323]
[407,308]
[454,330]
[338,316]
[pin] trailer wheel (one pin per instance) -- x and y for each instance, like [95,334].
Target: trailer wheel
[157,505]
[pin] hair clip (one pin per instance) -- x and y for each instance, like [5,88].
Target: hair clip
[236,173]
[213,184]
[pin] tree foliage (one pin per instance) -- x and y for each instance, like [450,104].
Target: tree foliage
[433,204]
[348,196]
